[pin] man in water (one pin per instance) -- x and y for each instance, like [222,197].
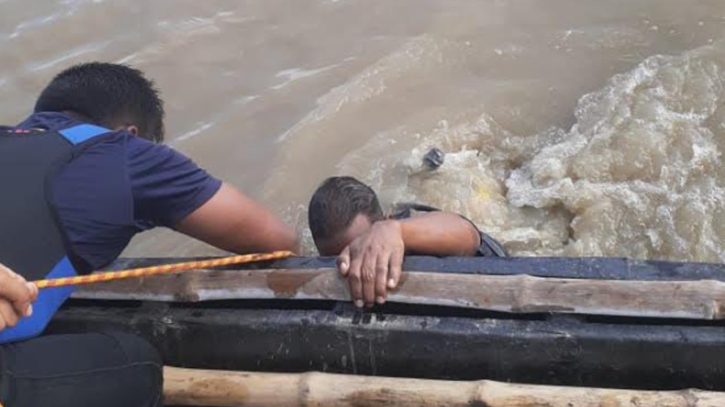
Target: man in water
[347,221]
[80,177]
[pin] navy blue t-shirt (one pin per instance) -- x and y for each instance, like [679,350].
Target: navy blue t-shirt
[118,186]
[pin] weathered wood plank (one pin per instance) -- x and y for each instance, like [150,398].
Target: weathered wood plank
[226,388]
[513,293]
[603,268]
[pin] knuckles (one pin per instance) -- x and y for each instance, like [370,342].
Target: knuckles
[368,275]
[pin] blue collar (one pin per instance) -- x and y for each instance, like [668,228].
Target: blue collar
[74,131]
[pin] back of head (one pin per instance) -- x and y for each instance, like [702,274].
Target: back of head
[110,95]
[337,202]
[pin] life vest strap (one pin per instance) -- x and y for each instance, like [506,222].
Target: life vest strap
[82,132]
[44,307]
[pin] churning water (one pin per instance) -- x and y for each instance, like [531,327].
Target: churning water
[571,127]
[638,174]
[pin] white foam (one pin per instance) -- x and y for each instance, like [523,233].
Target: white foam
[639,174]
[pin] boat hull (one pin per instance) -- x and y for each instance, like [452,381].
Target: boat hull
[430,341]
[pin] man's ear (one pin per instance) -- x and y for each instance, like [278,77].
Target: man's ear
[129,128]
[132,129]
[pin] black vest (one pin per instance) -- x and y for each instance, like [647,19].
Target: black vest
[32,240]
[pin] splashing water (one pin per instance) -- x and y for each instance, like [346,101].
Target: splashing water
[637,175]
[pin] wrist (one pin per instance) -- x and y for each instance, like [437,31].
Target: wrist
[400,227]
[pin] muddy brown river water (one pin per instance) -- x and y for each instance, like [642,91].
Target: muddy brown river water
[571,127]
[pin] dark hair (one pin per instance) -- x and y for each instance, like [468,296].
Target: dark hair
[337,202]
[108,94]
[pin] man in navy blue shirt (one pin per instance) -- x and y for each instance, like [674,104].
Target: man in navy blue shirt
[80,177]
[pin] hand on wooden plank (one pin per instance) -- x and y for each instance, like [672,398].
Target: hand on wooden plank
[703,299]
[373,263]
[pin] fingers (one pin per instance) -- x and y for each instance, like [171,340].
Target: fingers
[24,308]
[33,291]
[8,315]
[354,279]
[368,278]
[396,268]
[12,286]
[343,262]
[381,278]
[15,290]
[375,261]
[33,296]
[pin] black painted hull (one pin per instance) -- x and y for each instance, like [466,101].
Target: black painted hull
[434,342]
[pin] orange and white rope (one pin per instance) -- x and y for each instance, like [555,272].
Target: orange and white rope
[163,269]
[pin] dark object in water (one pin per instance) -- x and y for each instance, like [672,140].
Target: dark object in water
[433,342]
[433,159]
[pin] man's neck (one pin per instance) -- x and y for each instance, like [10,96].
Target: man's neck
[77,116]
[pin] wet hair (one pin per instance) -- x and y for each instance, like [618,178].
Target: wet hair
[337,202]
[109,95]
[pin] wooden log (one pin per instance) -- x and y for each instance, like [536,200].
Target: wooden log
[515,293]
[188,387]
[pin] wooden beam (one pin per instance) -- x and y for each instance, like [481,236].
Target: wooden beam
[188,387]
[517,293]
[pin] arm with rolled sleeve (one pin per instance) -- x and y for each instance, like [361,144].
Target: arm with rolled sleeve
[170,190]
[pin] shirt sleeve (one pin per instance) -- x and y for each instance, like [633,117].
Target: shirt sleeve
[166,185]
[488,246]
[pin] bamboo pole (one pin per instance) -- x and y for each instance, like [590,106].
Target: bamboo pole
[511,293]
[187,387]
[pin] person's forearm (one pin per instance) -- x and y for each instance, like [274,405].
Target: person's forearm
[233,222]
[277,235]
[264,233]
[440,234]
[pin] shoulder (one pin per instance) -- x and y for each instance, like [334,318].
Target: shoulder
[167,185]
[140,147]
[405,210]
[144,154]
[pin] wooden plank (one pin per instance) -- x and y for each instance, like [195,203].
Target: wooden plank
[225,388]
[514,293]
[603,268]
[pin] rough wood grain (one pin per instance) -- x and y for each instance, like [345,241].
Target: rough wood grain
[219,388]
[517,294]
